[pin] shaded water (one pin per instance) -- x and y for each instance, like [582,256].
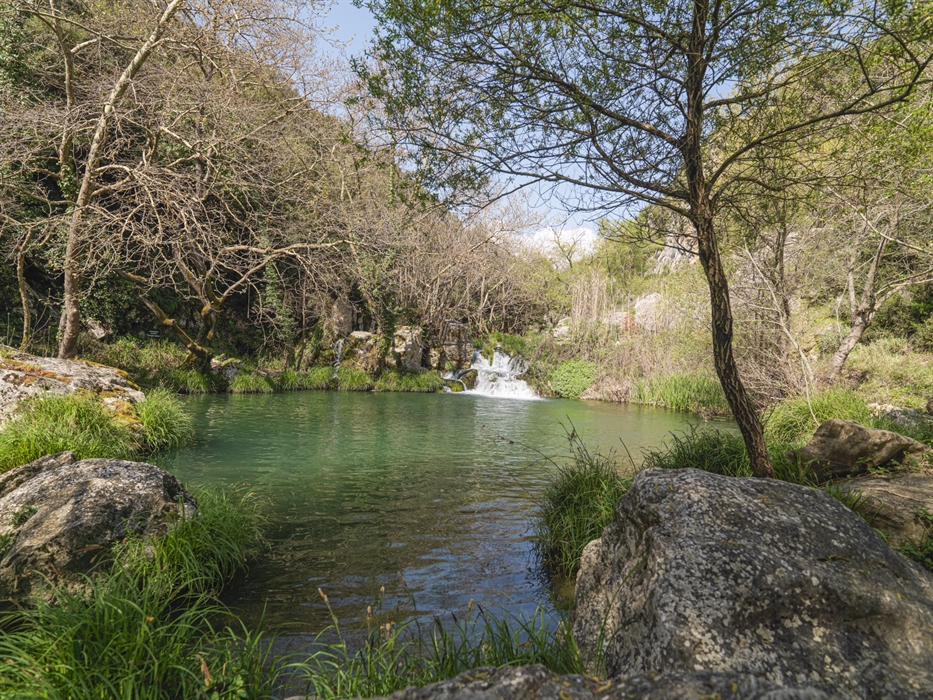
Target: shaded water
[362,487]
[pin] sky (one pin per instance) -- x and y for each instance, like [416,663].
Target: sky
[353,28]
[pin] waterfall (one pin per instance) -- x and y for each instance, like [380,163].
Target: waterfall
[500,378]
[338,355]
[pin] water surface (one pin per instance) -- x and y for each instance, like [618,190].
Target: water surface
[363,488]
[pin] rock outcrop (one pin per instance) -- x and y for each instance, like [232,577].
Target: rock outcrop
[842,448]
[538,683]
[895,504]
[456,345]
[652,314]
[360,351]
[753,576]
[23,375]
[407,349]
[58,516]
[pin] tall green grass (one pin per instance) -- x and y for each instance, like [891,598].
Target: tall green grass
[321,378]
[78,421]
[165,421]
[794,421]
[419,382]
[575,508]
[187,381]
[249,383]
[353,379]
[682,392]
[147,629]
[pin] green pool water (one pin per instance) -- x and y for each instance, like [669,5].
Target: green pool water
[363,488]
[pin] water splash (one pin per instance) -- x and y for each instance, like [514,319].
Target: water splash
[500,378]
[338,355]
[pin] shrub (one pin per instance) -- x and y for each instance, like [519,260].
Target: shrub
[165,421]
[249,383]
[187,381]
[353,379]
[577,504]
[792,422]
[321,378]
[571,378]
[398,380]
[78,421]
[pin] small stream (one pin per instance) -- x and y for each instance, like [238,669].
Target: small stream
[439,488]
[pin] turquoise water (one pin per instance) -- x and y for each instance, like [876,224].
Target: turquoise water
[366,490]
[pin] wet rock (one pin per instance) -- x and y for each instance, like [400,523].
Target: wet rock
[58,517]
[538,683]
[23,376]
[469,379]
[842,448]
[895,503]
[753,576]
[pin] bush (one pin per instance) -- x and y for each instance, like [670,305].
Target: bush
[578,503]
[571,378]
[78,421]
[187,381]
[792,423]
[146,629]
[353,379]
[398,380]
[166,423]
[249,383]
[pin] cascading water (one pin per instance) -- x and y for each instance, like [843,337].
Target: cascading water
[338,355]
[500,378]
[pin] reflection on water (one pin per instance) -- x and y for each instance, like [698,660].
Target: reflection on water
[438,487]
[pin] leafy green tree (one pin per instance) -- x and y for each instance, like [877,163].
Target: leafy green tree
[636,102]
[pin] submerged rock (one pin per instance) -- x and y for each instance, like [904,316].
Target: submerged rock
[58,516]
[538,683]
[841,448]
[23,375]
[700,572]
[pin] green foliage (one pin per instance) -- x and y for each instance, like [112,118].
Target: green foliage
[165,421]
[187,381]
[572,377]
[353,379]
[321,378]
[399,656]
[577,504]
[289,380]
[682,392]
[145,630]
[250,383]
[78,421]
[922,551]
[906,316]
[511,345]
[714,451]
[398,380]
[794,421]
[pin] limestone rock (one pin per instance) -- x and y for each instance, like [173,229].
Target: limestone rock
[844,448]
[561,331]
[754,576]
[227,369]
[58,516]
[341,318]
[359,350]
[651,313]
[407,348]
[892,503]
[622,320]
[23,375]
[538,683]
[456,344]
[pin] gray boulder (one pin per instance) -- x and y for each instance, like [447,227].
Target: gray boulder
[58,516]
[842,448]
[895,503]
[23,375]
[538,683]
[753,576]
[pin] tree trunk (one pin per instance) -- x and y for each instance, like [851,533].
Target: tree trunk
[859,323]
[23,291]
[743,410]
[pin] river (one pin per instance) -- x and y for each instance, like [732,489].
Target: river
[429,495]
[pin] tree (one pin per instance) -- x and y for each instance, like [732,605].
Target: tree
[636,102]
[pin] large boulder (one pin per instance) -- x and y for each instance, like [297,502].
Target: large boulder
[896,504]
[407,349]
[753,576]
[842,448]
[538,683]
[652,314]
[58,516]
[23,375]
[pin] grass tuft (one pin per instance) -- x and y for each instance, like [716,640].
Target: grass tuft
[418,382]
[78,421]
[353,379]
[166,423]
[794,421]
[577,505]
[320,378]
[682,392]
[714,451]
[249,383]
